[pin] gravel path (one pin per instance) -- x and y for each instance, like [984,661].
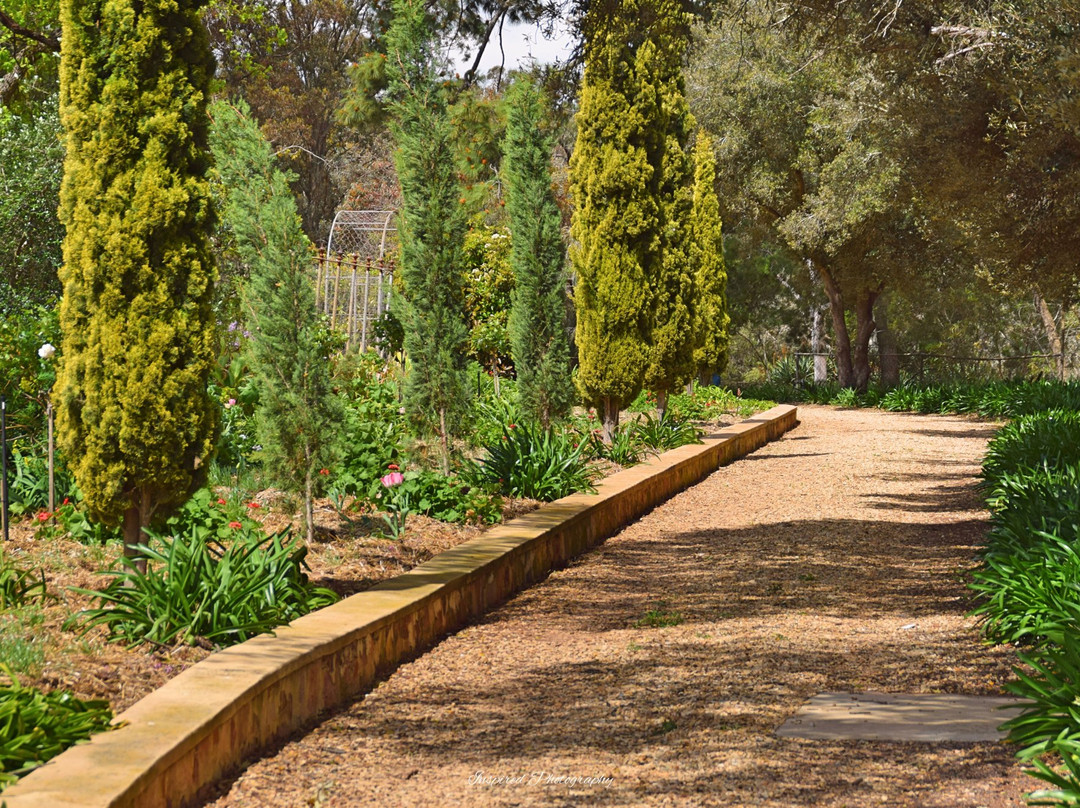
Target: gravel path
[797,570]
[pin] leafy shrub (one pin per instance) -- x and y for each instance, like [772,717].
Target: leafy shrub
[29,488]
[1029,594]
[1043,440]
[448,499]
[665,433]
[1027,581]
[374,428]
[70,520]
[198,589]
[19,586]
[792,370]
[36,726]
[845,397]
[25,377]
[490,412]
[625,448]
[536,464]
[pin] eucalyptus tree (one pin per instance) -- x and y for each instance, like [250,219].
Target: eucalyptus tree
[803,160]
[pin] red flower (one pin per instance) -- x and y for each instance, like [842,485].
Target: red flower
[254,505]
[513,426]
[44,516]
[235,525]
[221,502]
[66,501]
[324,472]
[393,467]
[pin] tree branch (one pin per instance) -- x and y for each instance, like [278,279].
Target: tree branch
[50,41]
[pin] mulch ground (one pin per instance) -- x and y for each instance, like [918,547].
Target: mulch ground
[655,670]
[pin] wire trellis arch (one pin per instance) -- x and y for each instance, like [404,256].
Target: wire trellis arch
[354,275]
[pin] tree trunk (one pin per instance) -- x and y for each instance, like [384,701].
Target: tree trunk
[1057,343]
[135,519]
[661,404]
[444,443]
[309,504]
[817,336]
[610,415]
[887,353]
[817,347]
[864,329]
[844,371]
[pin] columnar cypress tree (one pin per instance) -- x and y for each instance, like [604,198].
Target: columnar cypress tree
[669,333]
[298,410]
[711,318]
[617,225]
[538,339]
[432,227]
[134,417]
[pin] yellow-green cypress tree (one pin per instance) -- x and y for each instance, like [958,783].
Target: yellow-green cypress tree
[133,415]
[616,227]
[671,280]
[711,318]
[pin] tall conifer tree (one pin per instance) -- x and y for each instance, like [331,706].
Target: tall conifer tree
[671,280]
[134,417]
[711,318]
[432,226]
[298,412]
[617,221]
[538,338]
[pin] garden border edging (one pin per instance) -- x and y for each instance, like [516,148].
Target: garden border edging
[200,726]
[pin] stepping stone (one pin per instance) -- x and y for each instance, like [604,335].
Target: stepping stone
[931,717]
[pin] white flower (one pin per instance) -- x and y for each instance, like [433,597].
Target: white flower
[46,351]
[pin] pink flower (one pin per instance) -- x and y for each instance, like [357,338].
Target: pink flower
[392,479]
[230,403]
[235,525]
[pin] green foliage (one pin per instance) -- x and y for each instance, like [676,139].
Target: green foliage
[670,332]
[448,499]
[29,487]
[31,161]
[72,521]
[19,586]
[1026,582]
[539,342]
[201,588]
[632,440]
[660,616]
[706,255]
[666,432]
[373,430]
[535,463]
[617,220]
[1044,440]
[489,284]
[432,227]
[133,415]
[26,377]
[623,447]
[298,410]
[36,726]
